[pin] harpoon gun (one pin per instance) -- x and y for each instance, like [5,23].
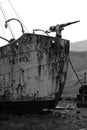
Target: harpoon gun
[61,26]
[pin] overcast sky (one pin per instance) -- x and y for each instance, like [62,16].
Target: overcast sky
[44,13]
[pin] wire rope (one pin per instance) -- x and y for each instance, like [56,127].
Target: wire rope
[75,72]
[5,17]
[17,14]
[3,29]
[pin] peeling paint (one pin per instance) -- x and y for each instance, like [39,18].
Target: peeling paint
[32,66]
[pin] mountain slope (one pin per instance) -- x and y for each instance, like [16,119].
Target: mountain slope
[79,61]
[79,46]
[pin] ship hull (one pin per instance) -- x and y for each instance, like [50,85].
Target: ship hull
[26,107]
[33,72]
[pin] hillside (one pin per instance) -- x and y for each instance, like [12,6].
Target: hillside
[79,61]
[79,46]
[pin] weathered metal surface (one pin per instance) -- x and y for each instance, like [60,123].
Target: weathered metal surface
[33,67]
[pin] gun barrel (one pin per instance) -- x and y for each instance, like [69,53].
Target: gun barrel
[73,22]
[66,24]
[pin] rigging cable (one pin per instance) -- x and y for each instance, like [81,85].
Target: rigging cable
[4,34]
[3,29]
[4,39]
[17,14]
[5,17]
[75,72]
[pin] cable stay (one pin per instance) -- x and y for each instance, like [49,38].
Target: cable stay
[3,29]
[75,72]
[5,17]
[17,14]
[3,11]
[4,39]
[3,33]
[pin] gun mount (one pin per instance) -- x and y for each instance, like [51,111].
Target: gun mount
[59,27]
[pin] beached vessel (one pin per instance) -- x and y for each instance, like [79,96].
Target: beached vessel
[33,70]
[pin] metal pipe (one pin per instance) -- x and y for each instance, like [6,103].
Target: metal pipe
[16,20]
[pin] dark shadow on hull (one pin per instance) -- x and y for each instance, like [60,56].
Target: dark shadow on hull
[26,107]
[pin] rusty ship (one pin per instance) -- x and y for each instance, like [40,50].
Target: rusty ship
[33,70]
